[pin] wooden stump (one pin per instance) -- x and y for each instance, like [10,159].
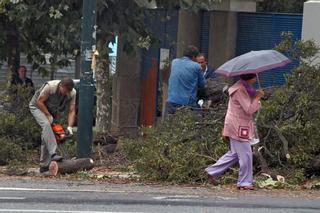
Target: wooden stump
[70,166]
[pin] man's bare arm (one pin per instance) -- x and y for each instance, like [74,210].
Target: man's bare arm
[71,115]
[41,105]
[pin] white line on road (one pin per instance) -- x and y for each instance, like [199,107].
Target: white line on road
[176,197]
[56,211]
[12,198]
[59,190]
[187,197]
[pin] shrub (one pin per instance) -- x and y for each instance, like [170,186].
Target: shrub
[17,168]
[180,148]
[290,120]
[10,150]
[18,130]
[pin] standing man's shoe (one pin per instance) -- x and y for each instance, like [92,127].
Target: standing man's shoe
[43,169]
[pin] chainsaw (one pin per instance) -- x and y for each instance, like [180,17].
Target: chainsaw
[60,133]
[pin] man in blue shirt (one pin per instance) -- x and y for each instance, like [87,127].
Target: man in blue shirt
[185,79]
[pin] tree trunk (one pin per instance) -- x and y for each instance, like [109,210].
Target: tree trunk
[13,47]
[70,166]
[52,71]
[77,67]
[103,92]
[164,78]
[164,100]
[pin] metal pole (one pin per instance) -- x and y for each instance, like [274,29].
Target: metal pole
[85,108]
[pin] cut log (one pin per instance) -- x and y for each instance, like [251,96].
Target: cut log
[70,166]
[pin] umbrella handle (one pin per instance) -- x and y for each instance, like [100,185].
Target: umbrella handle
[258,80]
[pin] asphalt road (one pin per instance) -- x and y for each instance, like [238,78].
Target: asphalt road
[49,196]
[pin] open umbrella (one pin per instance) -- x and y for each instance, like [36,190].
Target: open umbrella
[253,62]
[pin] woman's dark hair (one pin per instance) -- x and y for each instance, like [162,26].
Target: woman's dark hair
[248,76]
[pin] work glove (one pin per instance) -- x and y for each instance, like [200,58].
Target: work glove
[50,118]
[69,128]
[200,102]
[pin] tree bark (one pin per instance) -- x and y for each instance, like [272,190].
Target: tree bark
[13,47]
[77,67]
[103,92]
[164,100]
[70,166]
[52,71]
[164,78]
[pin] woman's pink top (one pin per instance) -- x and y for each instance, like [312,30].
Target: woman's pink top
[238,123]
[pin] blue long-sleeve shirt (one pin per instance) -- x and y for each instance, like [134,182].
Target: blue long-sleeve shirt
[185,79]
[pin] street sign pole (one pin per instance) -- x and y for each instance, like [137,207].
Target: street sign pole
[86,99]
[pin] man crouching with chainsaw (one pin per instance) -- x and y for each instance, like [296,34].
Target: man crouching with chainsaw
[52,98]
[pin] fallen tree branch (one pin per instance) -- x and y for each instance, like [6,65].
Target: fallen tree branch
[284,142]
[70,166]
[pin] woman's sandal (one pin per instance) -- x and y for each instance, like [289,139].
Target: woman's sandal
[245,187]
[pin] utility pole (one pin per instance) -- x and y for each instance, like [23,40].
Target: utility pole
[85,108]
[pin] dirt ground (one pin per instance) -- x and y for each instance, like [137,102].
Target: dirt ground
[115,169]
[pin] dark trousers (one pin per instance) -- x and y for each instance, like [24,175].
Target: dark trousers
[171,108]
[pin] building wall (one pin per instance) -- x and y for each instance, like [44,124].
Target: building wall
[126,93]
[310,25]
[243,5]
[135,88]
[189,27]
[222,37]
[204,32]
[236,5]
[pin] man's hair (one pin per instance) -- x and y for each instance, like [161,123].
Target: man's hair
[23,67]
[247,76]
[191,51]
[67,83]
[202,54]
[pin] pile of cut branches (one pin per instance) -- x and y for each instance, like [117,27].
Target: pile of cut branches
[289,122]
[180,148]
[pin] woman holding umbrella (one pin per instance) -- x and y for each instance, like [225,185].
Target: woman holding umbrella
[243,103]
[238,128]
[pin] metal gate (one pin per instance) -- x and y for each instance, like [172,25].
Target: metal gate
[164,25]
[258,31]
